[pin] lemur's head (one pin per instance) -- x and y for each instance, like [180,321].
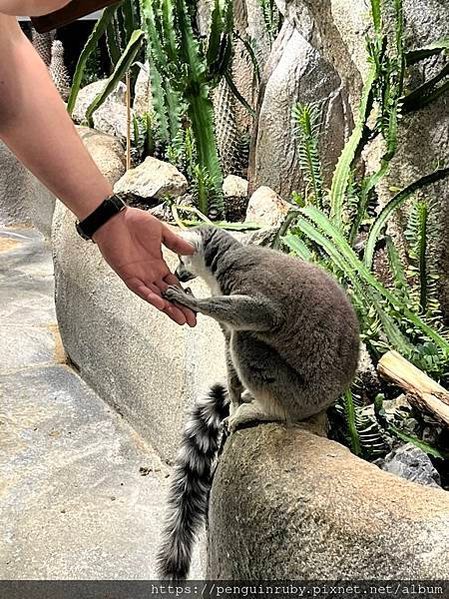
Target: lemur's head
[193,266]
[209,243]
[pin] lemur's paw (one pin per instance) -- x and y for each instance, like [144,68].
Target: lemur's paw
[247,414]
[247,397]
[178,295]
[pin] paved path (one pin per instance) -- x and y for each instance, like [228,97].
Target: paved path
[73,502]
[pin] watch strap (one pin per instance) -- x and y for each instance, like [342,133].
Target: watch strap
[106,210]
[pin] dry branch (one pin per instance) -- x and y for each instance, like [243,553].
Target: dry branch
[424,391]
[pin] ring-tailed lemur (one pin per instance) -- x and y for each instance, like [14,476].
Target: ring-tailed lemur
[292,344]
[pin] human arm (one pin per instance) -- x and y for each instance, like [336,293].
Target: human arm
[34,8]
[35,125]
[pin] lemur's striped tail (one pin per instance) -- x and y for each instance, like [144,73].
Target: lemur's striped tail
[191,482]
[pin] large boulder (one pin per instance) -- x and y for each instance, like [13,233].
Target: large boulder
[107,152]
[336,30]
[295,72]
[111,116]
[87,95]
[290,505]
[144,365]
[23,199]
[266,208]
[153,179]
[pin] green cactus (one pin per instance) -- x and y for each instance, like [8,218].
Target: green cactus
[42,44]
[58,70]
[184,71]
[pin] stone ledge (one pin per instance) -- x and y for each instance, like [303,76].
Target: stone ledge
[289,505]
[23,199]
[148,368]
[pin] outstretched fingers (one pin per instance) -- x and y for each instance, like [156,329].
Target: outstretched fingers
[188,315]
[175,243]
[147,294]
[151,294]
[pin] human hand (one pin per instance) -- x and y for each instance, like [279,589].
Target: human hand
[131,244]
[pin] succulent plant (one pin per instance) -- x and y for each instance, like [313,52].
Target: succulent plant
[58,70]
[42,43]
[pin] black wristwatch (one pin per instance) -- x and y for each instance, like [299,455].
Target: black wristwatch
[106,210]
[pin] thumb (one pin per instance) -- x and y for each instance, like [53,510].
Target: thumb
[176,243]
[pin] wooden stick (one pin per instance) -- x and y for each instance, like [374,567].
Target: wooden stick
[425,392]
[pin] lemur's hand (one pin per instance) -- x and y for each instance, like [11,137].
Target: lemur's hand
[182,297]
[131,244]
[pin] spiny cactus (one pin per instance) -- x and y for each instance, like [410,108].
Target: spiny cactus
[58,70]
[42,43]
[226,129]
[184,69]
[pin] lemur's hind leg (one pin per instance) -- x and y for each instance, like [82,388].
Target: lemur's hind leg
[252,412]
[240,312]
[280,391]
[235,385]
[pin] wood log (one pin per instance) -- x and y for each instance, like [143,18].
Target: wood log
[424,392]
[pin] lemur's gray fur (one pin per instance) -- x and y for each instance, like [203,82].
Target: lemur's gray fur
[292,344]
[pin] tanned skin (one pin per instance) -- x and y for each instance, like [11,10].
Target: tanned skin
[34,123]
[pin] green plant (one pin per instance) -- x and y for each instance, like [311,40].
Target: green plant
[356,425]
[143,137]
[307,119]
[119,23]
[403,312]
[272,18]
[184,69]
[94,70]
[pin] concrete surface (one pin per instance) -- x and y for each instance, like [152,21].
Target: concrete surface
[290,505]
[23,199]
[73,502]
[140,362]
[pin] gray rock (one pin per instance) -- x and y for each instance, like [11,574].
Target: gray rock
[113,120]
[107,152]
[289,505]
[144,365]
[153,179]
[367,372]
[266,208]
[411,463]
[142,102]
[295,72]
[162,212]
[235,187]
[23,199]
[336,30]
[265,236]
[88,94]
[111,117]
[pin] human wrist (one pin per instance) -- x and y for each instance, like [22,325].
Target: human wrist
[110,226]
[88,203]
[100,216]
